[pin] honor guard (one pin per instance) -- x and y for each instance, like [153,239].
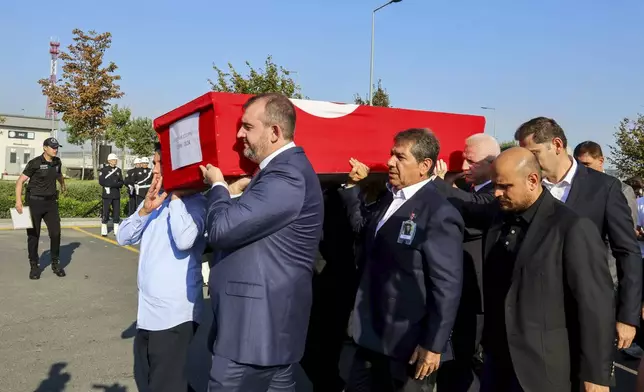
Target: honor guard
[130,178]
[111,179]
[42,199]
[143,180]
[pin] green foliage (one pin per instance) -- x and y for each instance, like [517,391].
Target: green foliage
[628,152]
[2,119]
[82,199]
[272,78]
[117,125]
[508,144]
[141,136]
[380,97]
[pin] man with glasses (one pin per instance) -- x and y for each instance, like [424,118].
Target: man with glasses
[42,199]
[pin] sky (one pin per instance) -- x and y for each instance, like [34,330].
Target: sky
[578,62]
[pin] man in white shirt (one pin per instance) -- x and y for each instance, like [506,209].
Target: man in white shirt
[596,196]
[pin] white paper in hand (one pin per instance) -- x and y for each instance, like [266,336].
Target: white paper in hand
[21,221]
[185,145]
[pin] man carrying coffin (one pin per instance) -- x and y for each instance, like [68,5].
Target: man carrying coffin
[111,179]
[411,271]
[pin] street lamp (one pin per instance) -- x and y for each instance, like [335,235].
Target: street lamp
[493,118]
[373,30]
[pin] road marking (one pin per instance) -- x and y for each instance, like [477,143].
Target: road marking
[626,368]
[130,248]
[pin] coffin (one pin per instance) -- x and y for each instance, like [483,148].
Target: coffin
[204,131]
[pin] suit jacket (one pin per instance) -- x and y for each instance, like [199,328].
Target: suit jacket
[559,310]
[408,294]
[260,279]
[110,178]
[599,197]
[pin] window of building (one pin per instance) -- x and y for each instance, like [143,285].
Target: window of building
[27,157]
[13,157]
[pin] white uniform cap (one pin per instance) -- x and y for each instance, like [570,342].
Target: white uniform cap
[112,157]
[145,160]
[137,161]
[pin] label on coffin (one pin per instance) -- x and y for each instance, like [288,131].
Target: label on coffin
[185,146]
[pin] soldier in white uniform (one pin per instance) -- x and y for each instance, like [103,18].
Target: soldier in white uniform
[111,179]
[130,180]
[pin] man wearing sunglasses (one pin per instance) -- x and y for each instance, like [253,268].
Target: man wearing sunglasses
[42,199]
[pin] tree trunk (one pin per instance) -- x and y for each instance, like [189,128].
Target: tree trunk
[95,147]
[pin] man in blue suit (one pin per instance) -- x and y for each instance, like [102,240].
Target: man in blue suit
[411,262]
[266,241]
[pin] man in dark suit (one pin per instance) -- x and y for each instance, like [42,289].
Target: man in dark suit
[596,196]
[266,241]
[460,374]
[411,279]
[549,305]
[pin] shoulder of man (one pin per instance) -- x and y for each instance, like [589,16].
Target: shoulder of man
[600,178]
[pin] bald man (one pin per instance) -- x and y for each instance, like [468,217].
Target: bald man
[548,293]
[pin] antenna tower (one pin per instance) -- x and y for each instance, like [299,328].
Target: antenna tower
[54,44]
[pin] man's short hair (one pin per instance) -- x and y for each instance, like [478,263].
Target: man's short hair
[157,148]
[489,145]
[279,110]
[588,147]
[425,145]
[542,129]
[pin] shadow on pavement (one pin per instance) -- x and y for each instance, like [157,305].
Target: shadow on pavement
[66,252]
[110,388]
[56,380]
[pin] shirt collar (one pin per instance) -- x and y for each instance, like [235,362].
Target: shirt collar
[479,186]
[567,180]
[528,215]
[275,153]
[407,192]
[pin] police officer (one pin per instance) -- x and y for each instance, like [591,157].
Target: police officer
[130,179]
[111,179]
[42,199]
[143,180]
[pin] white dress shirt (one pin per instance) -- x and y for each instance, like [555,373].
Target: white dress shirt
[400,197]
[561,190]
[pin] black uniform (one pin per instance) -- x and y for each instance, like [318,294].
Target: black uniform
[42,199]
[111,179]
[130,180]
[142,184]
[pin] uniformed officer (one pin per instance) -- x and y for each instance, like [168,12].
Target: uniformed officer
[111,179]
[143,180]
[130,179]
[42,199]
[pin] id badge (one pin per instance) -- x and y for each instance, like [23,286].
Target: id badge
[407,231]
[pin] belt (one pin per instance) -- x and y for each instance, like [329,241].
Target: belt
[48,198]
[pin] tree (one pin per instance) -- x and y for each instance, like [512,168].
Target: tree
[142,136]
[2,120]
[508,144]
[273,78]
[117,128]
[380,97]
[86,89]
[628,151]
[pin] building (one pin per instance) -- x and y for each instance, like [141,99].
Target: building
[21,139]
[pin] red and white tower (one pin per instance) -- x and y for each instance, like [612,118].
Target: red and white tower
[54,45]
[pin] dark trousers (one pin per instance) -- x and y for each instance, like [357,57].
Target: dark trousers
[46,210]
[375,372]
[498,376]
[229,376]
[131,205]
[162,357]
[116,210]
[462,373]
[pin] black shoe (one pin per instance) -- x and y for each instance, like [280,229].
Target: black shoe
[57,269]
[34,273]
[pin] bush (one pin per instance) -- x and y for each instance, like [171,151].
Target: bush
[82,199]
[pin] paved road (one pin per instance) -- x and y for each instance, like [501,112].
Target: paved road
[75,333]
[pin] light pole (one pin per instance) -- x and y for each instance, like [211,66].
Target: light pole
[493,118]
[373,30]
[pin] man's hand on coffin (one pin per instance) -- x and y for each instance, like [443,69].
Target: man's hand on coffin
[154,198]
[238,186]
[440,169]
[359,171]
[211,174]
